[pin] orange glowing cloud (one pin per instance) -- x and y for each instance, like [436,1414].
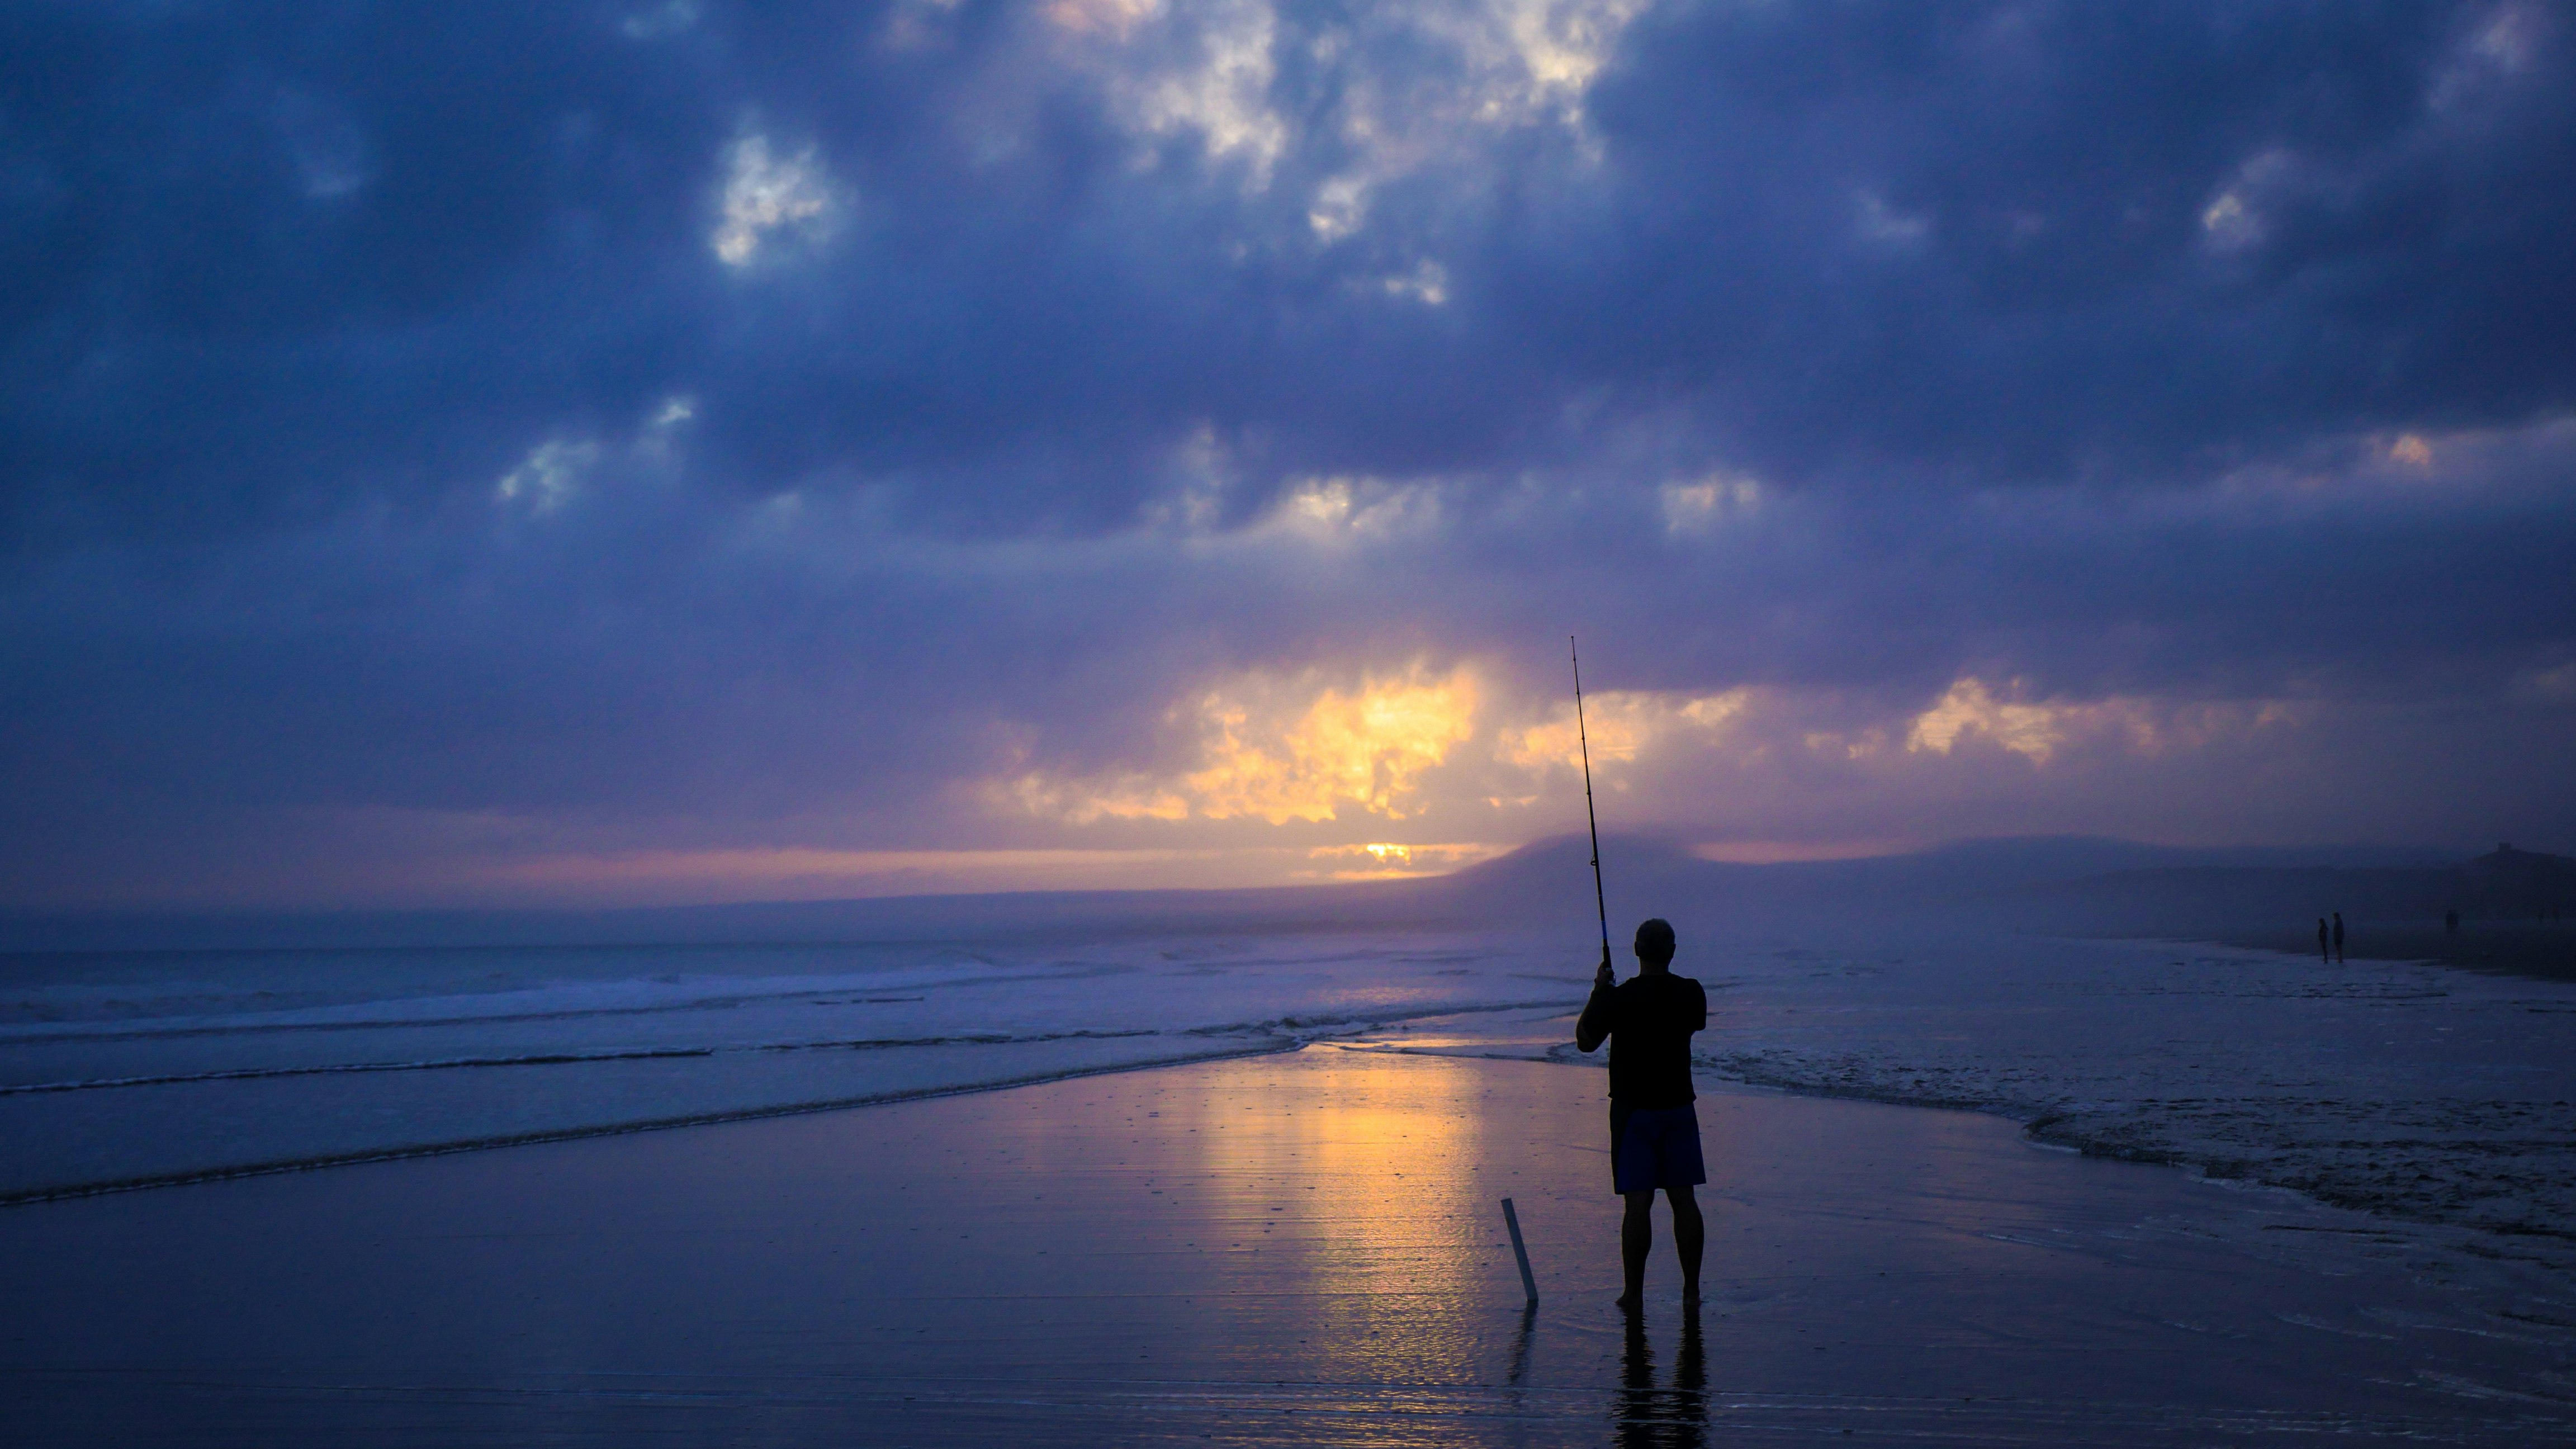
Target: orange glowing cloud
[1284,749]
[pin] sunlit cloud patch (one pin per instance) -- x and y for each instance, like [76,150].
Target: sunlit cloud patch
[1277,750]
[766,195]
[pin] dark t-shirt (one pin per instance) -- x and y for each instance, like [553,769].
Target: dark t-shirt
[1649,1018]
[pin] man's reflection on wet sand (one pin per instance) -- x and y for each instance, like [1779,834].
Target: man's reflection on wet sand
[1669,1418]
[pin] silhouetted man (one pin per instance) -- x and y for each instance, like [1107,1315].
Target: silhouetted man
[2325,947]
[2338,937]
[1654,1131]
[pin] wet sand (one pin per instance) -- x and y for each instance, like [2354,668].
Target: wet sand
[1293,1249]
[2537,951]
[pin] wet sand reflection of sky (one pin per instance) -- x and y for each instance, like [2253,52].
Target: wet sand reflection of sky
[1295,1249]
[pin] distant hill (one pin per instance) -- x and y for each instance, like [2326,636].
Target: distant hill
[2082,885]
[1646,874]
[2504,885]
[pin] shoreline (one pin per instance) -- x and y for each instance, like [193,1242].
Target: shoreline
[2521,950]
[1290,1248]
[532,1139]
[2037,1129]
[68,1128]
[2033,1032]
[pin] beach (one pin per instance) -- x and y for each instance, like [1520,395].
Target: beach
[2436,1098]
[1298,1247]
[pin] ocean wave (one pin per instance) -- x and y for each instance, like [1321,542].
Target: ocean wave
[251,1024]
[556,1059]
[54,1192]
[1280,1025]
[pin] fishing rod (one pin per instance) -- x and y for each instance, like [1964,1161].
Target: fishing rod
[1600,898]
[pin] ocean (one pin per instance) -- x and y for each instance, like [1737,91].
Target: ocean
[2436,1099]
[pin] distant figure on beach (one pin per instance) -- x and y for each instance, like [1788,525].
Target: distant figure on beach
[2338,937]
[2451,921]
[2325,945]
[1654,1131]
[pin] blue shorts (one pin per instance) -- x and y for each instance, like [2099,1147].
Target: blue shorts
[1655,1147]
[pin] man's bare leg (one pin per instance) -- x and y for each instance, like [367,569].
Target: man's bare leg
[1636,1237]
[1690,1235]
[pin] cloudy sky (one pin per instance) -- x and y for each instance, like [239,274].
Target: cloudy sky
[643,450]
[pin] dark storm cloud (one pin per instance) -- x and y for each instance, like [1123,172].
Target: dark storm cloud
[259,259]
[2026,240]
[2061,343]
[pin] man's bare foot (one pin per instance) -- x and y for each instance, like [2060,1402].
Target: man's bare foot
[1627,1303]
[1690,1298]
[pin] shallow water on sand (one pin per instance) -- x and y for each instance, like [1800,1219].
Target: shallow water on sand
[1288,1249]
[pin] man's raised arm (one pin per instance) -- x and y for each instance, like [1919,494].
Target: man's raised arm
[1593,1026]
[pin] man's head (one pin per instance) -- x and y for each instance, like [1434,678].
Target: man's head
[1655,944]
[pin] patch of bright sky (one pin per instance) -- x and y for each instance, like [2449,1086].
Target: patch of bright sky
[555,471]
[1204,69]
[1619,725]
[764,194]
[1350,510]
[1209,68]
[1427,283]
[1703,503]
[551,475]
[1970,708]
[2233,220]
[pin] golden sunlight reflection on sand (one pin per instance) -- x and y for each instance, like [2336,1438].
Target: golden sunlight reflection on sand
[1359,1197]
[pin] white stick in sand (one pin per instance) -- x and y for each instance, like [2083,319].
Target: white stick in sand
[1512,1220]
